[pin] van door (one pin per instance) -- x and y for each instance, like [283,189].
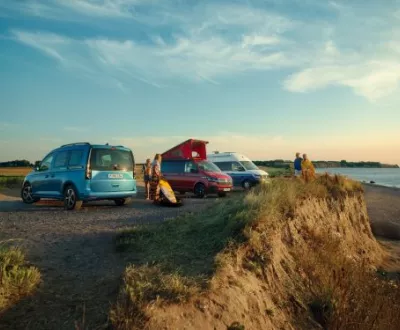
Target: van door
[173,171]
[40,179]
[191,176]
[111,170]
[237,173]
[58,174]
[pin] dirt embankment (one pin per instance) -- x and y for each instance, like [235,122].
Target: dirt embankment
[308,260]
[257,301]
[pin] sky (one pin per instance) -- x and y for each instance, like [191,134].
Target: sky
[265,78]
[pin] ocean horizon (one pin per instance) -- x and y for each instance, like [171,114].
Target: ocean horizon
[389,177]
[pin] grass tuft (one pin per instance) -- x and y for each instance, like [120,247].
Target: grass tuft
[16,278]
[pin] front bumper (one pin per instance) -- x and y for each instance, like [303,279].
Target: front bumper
[214,188]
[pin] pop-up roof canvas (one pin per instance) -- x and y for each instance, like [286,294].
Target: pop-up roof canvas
[190,149]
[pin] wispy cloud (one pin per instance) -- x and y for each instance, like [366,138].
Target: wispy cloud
[210,42]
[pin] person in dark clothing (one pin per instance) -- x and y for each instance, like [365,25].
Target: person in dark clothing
[297,165]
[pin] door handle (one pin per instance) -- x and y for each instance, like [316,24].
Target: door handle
[46,176]
[52,176]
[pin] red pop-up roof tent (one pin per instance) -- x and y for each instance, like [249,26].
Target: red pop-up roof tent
[190,149]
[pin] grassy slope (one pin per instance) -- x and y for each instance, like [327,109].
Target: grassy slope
[16,278]
[306,249]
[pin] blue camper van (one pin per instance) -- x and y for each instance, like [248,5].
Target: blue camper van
[82,172]
[243,171]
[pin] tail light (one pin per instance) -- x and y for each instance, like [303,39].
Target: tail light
[134,172]
[88,172]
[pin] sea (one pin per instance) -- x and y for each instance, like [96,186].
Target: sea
[389,177]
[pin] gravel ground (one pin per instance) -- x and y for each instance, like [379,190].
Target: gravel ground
[74,251]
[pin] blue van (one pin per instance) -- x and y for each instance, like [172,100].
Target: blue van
[82,172]
[243,171]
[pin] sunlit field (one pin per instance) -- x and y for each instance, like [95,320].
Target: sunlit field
[14,171]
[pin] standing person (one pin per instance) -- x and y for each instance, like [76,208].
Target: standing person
[307,169]
[297,164]
[147,177]
[155,178]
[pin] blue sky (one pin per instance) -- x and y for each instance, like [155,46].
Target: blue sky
[266,78]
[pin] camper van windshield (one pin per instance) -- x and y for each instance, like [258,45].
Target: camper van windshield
[249,165]
[207,166]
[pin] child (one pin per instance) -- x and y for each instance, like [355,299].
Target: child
[147,177]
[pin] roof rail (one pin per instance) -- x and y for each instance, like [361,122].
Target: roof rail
[74,144]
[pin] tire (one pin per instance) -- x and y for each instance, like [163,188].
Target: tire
[222,194]
[26,194]
[200,190]
[246,185]
[120,201]
[71,201]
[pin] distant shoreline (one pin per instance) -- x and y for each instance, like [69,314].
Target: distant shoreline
[280,163]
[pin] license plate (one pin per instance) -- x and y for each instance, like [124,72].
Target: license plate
[115,176]
[227,189]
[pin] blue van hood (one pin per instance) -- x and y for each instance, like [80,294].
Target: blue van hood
[258,172]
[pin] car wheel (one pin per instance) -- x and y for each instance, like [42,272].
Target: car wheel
[246,185]
[26,194]
[119,201]
[71,199]
[222,194]
[200,190]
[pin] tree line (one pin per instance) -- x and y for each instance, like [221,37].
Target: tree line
[19,163]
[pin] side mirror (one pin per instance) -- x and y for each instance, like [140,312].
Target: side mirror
[194,170]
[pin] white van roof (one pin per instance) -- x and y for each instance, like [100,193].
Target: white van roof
[227,156]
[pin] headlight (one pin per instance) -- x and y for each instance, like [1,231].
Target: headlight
[211,179]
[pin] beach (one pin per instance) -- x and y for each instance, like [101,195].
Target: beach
[384,210]
[383,205]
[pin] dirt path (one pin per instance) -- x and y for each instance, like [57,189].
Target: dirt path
[75,254]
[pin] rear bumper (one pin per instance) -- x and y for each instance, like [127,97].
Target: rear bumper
[91,196]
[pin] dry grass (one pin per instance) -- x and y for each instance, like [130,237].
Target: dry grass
[144,284]
[14,171]
[16,278]
[344,293]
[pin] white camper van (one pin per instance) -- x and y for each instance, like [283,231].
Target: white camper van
[243,171]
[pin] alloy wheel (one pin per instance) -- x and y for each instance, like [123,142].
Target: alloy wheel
[70,198]
[27,194]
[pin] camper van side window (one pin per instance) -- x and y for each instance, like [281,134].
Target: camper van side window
[224,166]
[191,167]
[236,166]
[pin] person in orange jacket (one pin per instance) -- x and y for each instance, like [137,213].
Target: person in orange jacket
[307,169]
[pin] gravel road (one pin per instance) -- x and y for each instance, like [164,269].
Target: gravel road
[74,251]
